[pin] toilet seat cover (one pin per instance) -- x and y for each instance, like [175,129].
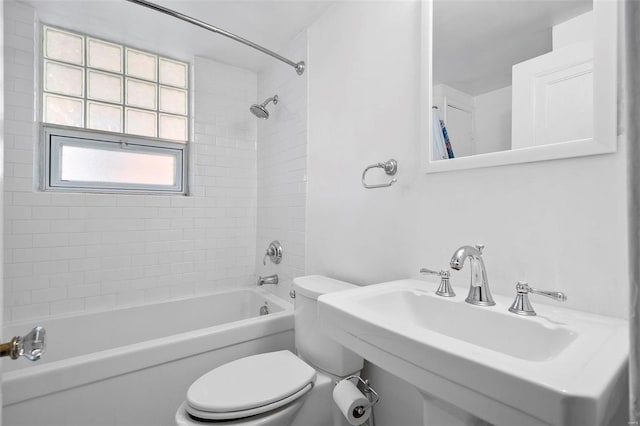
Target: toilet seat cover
[250,382]
[291,400]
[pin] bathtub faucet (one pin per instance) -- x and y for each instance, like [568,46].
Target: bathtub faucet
[269,279]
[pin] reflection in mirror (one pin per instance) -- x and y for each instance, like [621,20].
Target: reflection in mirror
[510,75]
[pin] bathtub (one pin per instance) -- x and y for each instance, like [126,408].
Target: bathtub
[133,366]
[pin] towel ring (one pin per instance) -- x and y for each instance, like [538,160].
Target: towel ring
[390,168]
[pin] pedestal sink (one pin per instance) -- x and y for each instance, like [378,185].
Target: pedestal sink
[561,367]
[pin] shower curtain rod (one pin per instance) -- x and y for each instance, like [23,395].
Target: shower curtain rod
[299,66]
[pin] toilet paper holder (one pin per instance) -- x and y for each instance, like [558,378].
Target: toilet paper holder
[368,391]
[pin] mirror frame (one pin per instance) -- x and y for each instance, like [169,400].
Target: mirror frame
[605,81]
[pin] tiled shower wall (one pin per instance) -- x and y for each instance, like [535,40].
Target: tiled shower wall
[68,252]
[282,167]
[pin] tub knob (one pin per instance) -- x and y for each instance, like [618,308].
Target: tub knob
[31,346]
[274,253]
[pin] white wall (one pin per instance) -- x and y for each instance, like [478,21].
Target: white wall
[282,167]
[363,109]
[561,225]
[82,252]
[493,121]
[558,224]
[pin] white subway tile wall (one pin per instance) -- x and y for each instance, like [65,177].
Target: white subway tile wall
[282,168]
[73,252]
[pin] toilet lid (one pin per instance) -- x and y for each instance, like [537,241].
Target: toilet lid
[250,382]
[290,401]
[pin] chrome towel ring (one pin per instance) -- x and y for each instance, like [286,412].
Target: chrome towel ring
[390,168]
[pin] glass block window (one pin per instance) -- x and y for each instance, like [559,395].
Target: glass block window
[100,85]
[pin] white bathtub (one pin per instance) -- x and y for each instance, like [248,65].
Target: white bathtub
[132,366]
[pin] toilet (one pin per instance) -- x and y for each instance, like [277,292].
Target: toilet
[278,388]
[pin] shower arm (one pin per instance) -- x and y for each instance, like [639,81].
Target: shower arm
[299,66]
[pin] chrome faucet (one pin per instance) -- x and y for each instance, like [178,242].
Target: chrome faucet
[269,279]
[479,293]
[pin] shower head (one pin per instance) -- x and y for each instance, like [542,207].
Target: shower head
[260,110]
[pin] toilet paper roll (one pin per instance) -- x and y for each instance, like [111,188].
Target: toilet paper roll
[347,397]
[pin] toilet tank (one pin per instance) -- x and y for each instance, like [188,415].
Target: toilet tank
[312,344]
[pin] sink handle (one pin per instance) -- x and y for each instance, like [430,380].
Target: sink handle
[444,289]
[431,271]
[523,287]
[522,306]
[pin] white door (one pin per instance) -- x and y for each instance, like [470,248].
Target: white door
[459,124]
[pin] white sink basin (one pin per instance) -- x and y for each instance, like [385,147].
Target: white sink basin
[508,334]
[561,367]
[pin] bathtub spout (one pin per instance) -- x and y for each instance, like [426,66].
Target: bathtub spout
[270,279]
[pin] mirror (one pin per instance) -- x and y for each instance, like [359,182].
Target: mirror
[516,81]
